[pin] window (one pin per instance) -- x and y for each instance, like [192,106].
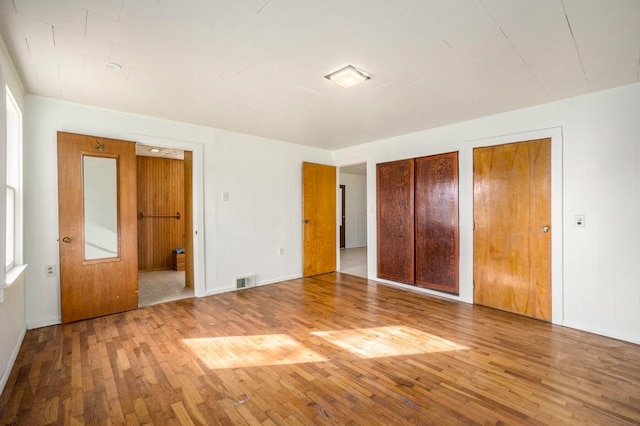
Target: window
[11,226]
[14,183]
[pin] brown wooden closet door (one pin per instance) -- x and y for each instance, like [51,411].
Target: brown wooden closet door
[395,221]
[436,222]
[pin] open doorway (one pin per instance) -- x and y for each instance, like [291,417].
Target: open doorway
[164,209]
[352,207]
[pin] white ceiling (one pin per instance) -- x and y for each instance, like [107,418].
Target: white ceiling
[257,66]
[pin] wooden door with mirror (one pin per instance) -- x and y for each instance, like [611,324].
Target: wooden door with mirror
[97,226]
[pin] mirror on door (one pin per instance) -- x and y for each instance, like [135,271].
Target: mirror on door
[100,188]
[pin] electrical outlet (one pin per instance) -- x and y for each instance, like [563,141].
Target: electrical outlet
[50,271]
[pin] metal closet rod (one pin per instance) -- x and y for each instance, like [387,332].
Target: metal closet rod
[143,216]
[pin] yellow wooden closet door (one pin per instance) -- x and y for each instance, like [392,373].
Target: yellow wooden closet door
[318,219]
[512,227]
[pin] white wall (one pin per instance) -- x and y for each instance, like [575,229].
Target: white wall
[599,265]
[12,327]
[263,179]
[235,237]
[596,142]
[355,209]
[12,305]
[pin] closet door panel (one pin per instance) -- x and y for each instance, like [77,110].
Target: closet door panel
[436,222]
[395,220]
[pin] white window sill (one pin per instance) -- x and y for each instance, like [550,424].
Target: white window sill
[11,277]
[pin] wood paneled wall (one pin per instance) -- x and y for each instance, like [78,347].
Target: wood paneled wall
[160,192]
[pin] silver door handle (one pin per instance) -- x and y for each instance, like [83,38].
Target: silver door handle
[307,221]
[544,229]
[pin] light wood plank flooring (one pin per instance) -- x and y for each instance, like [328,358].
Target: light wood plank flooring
[330,350]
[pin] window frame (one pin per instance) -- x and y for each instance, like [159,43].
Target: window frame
[13,170]
[10,255]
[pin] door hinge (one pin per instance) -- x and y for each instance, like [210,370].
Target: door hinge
[474,226]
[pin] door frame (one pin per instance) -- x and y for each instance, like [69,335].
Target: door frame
[342,228]
[197,200]
[372,265]
[466,212]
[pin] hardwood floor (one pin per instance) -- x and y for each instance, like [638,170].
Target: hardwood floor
[333,349]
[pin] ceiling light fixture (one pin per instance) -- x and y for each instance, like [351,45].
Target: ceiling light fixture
[348,76]
[154,150]
[114,66]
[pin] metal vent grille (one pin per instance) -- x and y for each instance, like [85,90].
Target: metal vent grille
[246,281]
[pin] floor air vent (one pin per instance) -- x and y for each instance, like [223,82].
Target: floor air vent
[246,281]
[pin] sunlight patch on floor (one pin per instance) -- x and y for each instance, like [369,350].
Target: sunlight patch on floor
[388,341]
[251,351]
[278,349]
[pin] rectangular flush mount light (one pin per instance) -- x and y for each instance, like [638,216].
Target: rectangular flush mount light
[348,76]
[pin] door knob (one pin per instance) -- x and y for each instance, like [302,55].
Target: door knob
[544,229]
[66,240]
[307,221]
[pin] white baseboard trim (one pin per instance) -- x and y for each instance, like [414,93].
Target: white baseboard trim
[261,283]
[279,280]
[45,322]
[14,355]
[606,333]
[218,291]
